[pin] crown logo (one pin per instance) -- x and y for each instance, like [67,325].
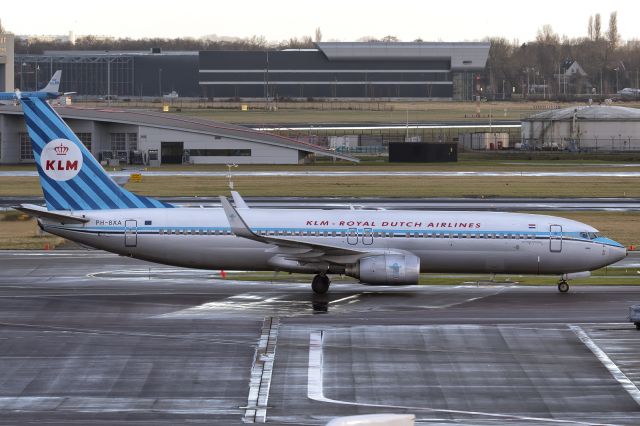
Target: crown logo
[61,149]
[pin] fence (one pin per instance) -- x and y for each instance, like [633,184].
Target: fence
[612,144]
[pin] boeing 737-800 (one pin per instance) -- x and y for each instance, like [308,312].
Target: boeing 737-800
[83,204]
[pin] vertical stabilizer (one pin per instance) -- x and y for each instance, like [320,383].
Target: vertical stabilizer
[54,83]
[71,177]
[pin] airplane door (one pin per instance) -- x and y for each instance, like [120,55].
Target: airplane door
[352,236]
[367,237]
[555,238]
[130,233]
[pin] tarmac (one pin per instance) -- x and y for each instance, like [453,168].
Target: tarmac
[91,337]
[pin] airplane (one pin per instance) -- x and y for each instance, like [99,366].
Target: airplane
[378,247]
[50,91]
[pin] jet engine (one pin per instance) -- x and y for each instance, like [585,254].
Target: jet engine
[386,269]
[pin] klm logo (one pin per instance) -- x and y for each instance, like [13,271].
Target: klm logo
[61,159]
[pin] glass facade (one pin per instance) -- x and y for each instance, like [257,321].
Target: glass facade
[118,141]
[26,152]
[86,139]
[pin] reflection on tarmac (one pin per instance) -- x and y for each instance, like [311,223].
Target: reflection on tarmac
[89,337]
[320,303]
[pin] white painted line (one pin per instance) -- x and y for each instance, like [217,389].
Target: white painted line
[617,374]
[315,391]
[261,373]
[344,298]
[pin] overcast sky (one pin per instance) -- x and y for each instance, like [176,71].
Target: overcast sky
[344,20]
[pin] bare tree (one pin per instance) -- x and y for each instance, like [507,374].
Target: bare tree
[612,34]
[597,28]
[590,34]
[547,36]
[318,35]
[390,39]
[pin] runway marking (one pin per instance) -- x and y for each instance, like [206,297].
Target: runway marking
[354,296]
[261,372]
[315,391]
[615,371]
[181,406]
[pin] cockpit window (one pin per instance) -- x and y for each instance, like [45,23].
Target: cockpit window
[585,235]
[594,235]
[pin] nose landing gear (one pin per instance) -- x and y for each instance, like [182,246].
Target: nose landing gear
[320,284]
[563,286]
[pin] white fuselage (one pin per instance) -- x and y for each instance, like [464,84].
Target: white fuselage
[445,241]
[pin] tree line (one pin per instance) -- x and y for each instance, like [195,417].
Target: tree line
[540,67]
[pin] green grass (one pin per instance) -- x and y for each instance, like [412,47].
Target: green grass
[20,232]
[610,276]
[382,111]
[367,186]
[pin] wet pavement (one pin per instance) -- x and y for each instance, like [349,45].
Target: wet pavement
[93,337]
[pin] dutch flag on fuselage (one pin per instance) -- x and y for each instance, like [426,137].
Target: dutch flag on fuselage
[71,177]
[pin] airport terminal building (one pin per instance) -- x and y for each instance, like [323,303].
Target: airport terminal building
[154,138]
[335,70]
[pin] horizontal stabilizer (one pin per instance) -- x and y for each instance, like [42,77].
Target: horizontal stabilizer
[42,212]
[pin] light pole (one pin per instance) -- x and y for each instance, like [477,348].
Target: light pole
[37,84]
[22,65]
[108,79]
[230,176]
[160,82]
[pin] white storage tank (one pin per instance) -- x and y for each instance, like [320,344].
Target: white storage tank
[583,128]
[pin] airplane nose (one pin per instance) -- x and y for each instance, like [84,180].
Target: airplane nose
[617,253]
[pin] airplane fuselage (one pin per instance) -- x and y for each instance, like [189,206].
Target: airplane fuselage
[454,242]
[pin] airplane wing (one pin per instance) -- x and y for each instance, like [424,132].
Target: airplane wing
[42,212]
[292,248]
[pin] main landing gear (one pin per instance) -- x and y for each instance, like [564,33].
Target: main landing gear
[320,284]
[563,286]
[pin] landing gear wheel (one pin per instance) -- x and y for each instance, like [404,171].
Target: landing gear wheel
[563,287]
[320,284]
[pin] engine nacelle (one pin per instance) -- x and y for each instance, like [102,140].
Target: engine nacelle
[386,269]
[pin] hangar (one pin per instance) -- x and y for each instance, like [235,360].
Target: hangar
[355,70]
[583,128]
[332,70]
[144,137]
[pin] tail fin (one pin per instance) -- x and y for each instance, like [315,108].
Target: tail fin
[54,83]
[70,176]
